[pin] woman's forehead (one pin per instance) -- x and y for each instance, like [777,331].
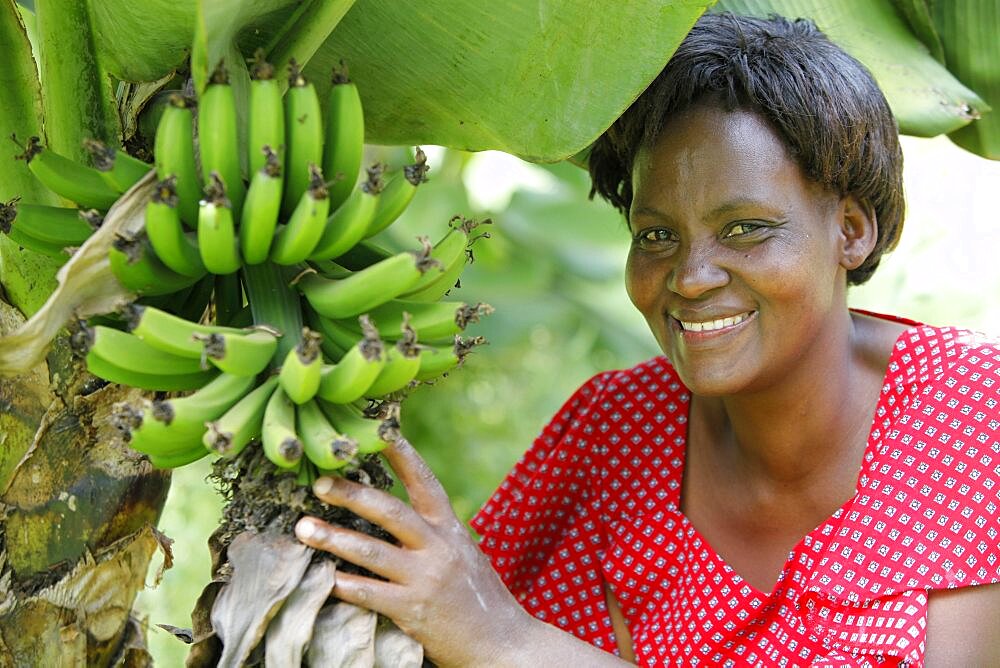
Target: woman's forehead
[707,156]
[705,143]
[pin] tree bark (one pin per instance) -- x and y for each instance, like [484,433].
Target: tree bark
[78,511]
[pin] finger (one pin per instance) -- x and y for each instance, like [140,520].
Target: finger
[382,597]
[422,486]
[374,505]
[370,553]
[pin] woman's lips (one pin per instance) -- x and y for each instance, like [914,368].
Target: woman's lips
[695,331]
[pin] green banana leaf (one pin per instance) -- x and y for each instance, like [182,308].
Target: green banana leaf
[970,35]
[918,17]
[27,277]
[537,78]
[925,97]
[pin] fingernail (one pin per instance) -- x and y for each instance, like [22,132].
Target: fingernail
[322,485]
[305,529]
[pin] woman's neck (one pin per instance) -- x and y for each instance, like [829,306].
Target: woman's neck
[812,426]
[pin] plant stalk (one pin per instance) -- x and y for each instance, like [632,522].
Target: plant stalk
[308,33]
[77,99]
[275,304]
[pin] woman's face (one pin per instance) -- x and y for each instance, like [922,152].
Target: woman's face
[737,258]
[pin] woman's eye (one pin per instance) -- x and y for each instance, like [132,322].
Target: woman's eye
[739,229]
[654,238]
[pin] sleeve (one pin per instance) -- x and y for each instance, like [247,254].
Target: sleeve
[541,529]
[925,518]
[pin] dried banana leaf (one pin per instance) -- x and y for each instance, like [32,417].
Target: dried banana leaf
[87,286]
[344,636]
[290,631]
[395,649]
[266,568]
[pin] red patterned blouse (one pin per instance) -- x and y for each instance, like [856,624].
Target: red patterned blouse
[595,501]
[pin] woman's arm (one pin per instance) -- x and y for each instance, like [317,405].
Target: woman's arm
[963,627]
[440,589]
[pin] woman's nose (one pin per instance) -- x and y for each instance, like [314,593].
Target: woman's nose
[697,271]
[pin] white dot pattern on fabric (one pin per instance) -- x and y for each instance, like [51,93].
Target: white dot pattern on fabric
[595,503]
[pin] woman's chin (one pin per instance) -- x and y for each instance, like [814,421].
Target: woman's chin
[711,382]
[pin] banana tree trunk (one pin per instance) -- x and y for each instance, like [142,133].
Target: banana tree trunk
[77,518]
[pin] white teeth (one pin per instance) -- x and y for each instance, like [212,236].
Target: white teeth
[713,324]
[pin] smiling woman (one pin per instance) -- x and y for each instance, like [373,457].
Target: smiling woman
[793,482]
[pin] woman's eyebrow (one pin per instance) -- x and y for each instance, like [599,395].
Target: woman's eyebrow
[727,207]
[651,212]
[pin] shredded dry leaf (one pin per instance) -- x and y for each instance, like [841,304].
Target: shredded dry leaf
[344,635]
[87,286]
[266,569]
[291,630]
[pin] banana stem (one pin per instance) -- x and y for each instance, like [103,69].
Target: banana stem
[275,304]
[79,102]
[310,30]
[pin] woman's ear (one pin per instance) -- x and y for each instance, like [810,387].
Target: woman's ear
[858,231]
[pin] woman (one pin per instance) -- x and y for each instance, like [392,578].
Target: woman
[794,482]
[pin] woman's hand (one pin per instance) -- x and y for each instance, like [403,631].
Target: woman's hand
[441,589]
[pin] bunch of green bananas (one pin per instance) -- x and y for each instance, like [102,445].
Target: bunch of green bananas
[311,328]
[54,230]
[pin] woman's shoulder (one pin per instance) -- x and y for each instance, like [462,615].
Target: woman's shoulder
[653,380]
[946,358]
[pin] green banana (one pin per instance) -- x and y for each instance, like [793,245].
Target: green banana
[302,368]
[278,437]
[325,447]
[345,228]
[329,269]
[363,255]
[350,378]
[303,136]
[337,332]
[216,230]
[122,358]
[431,320]
[345,136]
[370,435]
[401,365]
[296,240]
[452,252]
[261,209]
[172,245]
[242,423]
[397,194]
[266,117]
[170,333]
[218,141]
[174,425]
[174,152]
[180,459]
[242,354]
[68,178]
[436,361]
[368,288]
[59,252]
[47,229]
[135,265]
[119,170]
[190,413]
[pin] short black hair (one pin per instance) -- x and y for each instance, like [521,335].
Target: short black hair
[824,105]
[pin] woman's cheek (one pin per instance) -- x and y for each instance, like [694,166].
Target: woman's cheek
[638,281]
